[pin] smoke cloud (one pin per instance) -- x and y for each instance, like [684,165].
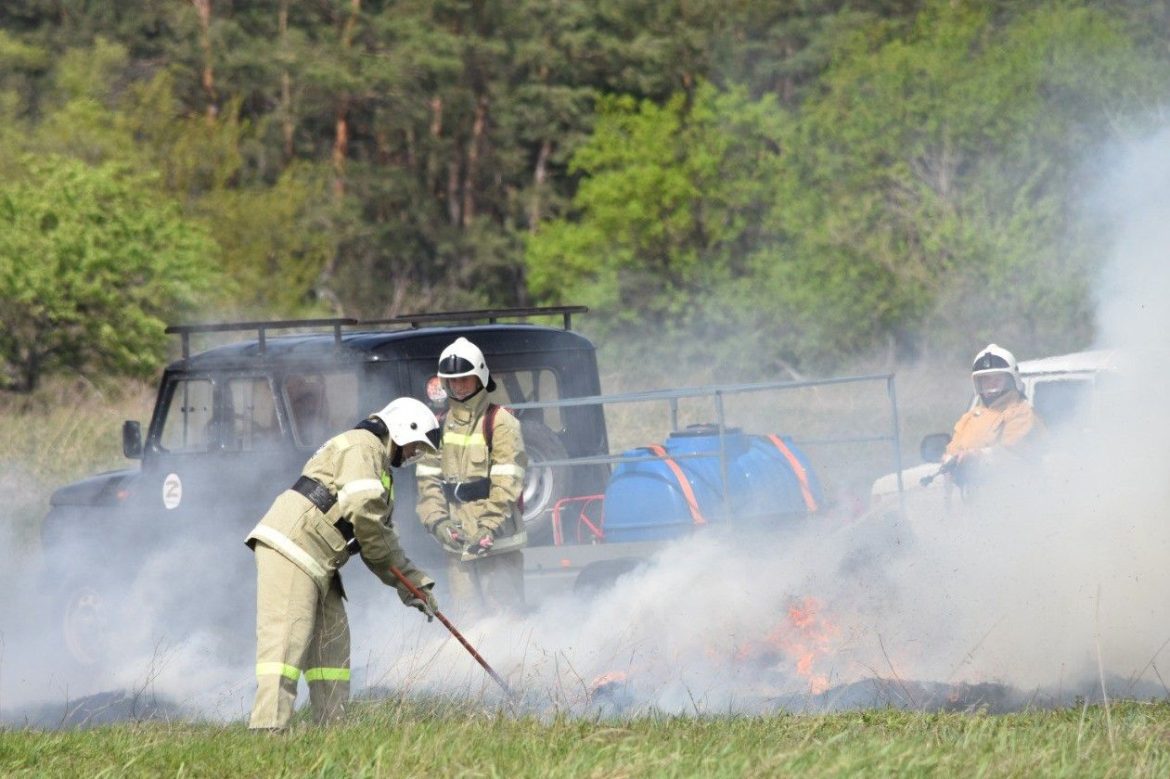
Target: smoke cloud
[1036,593]
[1033,593]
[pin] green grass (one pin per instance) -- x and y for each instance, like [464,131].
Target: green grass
[405,739]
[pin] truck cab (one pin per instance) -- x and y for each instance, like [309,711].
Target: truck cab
[233,424]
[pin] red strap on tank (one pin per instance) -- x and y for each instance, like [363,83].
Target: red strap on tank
[688,493]
[798,469]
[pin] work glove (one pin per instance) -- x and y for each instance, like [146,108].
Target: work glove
[428,606]
[448,533]
[481,542]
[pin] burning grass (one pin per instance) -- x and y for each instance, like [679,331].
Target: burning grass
[412,738]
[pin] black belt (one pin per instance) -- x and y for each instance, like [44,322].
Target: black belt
[467,491]
[320,496]
[317,493]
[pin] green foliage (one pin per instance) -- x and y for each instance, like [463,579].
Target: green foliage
[940,173]
[92,265]
[926,193]
[272,250]
[819,179]
[672,197]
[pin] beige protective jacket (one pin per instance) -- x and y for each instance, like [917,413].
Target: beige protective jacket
[464,457]
[354,466]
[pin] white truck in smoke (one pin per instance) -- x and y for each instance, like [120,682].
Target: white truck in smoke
[233,424]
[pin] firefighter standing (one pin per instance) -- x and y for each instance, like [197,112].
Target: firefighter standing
[1001,428]
[469,491]
[341,504]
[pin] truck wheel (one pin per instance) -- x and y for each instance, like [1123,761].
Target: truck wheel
[85,618]
[543,487]
[600,576]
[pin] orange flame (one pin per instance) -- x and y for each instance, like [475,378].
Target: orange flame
[804,637]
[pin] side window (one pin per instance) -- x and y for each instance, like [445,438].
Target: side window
[187,424]
[249,416]
[530,386]
[320,404]
[1060,401]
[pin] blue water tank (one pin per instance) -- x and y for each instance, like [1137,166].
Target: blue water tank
[644,500]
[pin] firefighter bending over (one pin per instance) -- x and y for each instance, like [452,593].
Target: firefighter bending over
[340,505]
[469,491]
[1000,429]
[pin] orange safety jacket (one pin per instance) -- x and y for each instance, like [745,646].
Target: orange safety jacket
[1009,422]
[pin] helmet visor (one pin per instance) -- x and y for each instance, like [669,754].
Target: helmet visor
[453,365]
[989,361]
[435,437]
[993,384]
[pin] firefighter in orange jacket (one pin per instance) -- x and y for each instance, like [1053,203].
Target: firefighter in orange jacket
[469,492]
[340,505]
[1001,428]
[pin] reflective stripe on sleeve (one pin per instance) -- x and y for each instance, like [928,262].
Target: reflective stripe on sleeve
[507,469]
[326,674]
[463,439]
[427,470]
[283,544]
[359,487]
[278,669]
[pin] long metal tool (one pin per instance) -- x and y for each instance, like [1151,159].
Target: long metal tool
[416,592]
[946,467]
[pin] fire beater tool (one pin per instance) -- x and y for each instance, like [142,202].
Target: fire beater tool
[946,467]
[416,592]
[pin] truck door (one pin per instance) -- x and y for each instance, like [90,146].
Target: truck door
[217,455]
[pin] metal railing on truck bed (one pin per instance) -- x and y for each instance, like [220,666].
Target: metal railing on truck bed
[718,396]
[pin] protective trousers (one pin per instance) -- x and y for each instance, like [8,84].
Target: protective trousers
[492,584]
[298,630]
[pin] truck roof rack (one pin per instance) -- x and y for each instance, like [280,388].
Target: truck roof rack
[185,331]
[492,315]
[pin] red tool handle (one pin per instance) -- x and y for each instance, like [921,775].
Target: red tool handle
[416,592]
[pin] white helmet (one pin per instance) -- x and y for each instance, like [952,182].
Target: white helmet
[995,359]
[463,358]
[409,420]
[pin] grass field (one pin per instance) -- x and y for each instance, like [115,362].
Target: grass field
[405,739]
[69,430]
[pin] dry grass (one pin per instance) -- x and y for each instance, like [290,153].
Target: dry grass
[64,431]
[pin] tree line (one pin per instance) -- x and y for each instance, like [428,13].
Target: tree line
[810,180]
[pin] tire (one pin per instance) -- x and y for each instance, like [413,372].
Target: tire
[84,612]
[543,487]
[76,587]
